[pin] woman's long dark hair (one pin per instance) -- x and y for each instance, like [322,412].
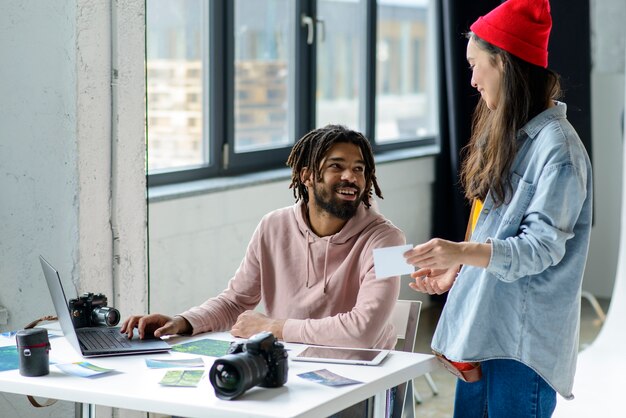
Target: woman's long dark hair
[525,91]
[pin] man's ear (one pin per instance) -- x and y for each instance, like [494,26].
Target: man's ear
[306,177]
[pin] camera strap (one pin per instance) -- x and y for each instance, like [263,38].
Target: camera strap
[37,321]
[34,402]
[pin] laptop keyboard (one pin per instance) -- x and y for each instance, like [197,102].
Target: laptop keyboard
[98,339]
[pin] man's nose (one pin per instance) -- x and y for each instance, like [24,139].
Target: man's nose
[348,175]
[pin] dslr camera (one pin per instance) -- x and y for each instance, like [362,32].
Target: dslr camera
[261,360]
[91,310]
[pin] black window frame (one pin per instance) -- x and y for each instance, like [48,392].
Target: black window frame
[224,161]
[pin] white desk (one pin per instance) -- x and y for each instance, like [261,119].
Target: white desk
[136,386]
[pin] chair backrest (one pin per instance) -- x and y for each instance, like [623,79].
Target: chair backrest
[405,318]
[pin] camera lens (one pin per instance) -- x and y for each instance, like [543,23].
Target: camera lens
[226,377]
[105,316]
[233,374]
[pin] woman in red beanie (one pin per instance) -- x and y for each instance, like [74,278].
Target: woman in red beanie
[513,308]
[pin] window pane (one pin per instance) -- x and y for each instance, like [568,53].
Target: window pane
[340,34]
[406,106]
[176,44]
[263,71]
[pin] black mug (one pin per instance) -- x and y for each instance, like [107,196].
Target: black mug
[33,347]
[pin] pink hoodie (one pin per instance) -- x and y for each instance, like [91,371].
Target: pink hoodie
[325,286]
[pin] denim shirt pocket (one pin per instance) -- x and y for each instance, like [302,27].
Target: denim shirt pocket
[508,216]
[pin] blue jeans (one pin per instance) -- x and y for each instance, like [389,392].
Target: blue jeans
[508,389]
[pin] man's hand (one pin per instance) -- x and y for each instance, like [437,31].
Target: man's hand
[434,281]
[156,325]
[251,322]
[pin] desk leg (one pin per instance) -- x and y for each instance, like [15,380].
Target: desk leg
[380,403]
[84,410]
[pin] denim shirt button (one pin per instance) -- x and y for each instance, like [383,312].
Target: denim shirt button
[485,211]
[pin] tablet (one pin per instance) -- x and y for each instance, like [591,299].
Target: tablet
[319,354]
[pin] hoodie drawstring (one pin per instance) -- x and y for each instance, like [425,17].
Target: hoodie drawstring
[326,263]
[308,257]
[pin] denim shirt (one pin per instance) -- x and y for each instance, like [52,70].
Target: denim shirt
[525,305]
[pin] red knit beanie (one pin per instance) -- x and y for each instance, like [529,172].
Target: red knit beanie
[520,27]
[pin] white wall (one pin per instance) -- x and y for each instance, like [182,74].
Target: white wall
[197,243]
[607,103]
[607,169]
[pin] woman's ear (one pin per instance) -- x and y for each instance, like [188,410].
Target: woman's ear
[500,63]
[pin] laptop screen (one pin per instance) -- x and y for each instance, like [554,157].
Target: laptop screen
[60,302]
[94,341]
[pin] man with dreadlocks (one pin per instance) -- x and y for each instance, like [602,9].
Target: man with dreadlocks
[311,263]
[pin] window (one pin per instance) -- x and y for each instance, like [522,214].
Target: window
[175,52]
[231,84]
[263,66]
[340,62]
[405,108]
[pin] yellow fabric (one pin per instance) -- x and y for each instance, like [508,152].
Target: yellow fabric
[478,206]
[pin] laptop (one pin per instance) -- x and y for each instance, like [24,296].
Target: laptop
[94,341]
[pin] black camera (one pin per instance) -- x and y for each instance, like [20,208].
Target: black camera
[261,360]
[91,310]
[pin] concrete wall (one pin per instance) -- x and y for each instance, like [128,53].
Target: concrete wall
[38,164]
[61,194]
[38,122]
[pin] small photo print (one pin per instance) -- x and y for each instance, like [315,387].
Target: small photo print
[203,347]
[171,363]
[83,369]
[185,378]
[328,378]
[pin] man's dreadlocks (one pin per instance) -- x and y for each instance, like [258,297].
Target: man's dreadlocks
[311,149]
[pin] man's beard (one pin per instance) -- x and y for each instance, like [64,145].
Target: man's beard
[341,209]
